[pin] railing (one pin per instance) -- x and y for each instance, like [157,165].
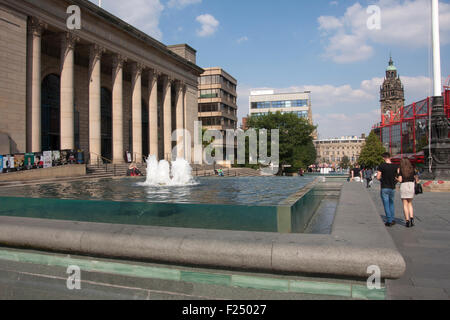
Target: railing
[99,157]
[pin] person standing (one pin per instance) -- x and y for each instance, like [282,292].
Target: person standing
[387,174]
[407,179]
[356,173]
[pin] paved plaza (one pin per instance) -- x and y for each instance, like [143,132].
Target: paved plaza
[425,248]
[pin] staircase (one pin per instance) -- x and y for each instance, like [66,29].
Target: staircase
[111,170]
[120,170]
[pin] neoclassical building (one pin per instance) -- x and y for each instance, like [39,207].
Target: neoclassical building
[106,88]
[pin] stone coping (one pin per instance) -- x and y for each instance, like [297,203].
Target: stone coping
[64,171]
[358,240]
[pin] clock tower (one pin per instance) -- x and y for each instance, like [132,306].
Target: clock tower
[392,93]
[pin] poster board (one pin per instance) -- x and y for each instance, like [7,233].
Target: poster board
[38,160]
[56,158]
[19,161]
[5,162]
[129,159]
[29,160]
[11,162]
[47,155]
[64,157]
[1,164]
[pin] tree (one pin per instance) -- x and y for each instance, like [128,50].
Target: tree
[371,154]
[345,163]
[296,142]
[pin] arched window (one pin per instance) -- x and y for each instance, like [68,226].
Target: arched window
[50,113]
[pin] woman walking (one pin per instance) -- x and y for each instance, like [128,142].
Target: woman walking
[407,178]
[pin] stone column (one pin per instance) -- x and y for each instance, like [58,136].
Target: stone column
[180,119]
[167,118]
[153,112]
[137,111]
[117,108]
[67,90]
[34,97]
[95,145]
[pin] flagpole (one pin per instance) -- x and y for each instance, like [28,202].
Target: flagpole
[437,84]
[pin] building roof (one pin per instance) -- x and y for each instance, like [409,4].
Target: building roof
[134,32]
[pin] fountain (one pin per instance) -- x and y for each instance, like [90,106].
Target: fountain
[163,174]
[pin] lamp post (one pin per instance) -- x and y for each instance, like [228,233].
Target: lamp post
[438,151]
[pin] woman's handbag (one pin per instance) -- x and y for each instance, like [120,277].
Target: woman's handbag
[418,188]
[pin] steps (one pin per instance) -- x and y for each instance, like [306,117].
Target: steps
[112,170]
[119,170]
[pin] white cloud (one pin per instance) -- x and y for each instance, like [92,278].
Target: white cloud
[142,14]
[404,23]
[242,39]
[179,4]
[329,23]
[209,25]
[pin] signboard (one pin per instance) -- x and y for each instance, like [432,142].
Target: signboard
[47,155]
[19,160]
[11,162]
[5,163]
[38,160]
[29,160]
[129,159]
[64,157]
[1,164]
[56,158]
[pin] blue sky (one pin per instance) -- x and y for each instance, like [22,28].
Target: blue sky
[290,45]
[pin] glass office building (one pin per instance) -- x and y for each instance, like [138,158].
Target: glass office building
[263,102]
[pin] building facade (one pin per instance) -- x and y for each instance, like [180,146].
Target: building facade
[217,107]
[105,88]
[263,102]
[392,92]
[332,151]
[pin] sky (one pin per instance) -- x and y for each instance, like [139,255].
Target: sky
[338,50]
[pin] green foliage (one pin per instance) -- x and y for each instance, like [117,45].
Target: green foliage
[371,154]
[345,163]
[296,143]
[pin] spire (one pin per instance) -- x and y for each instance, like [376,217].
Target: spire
[391,65]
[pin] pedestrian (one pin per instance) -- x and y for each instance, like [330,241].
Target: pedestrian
[387,175]
[407,178]
[356,174]
[368,173]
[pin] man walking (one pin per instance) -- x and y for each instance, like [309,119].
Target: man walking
[368,173]
[387,173]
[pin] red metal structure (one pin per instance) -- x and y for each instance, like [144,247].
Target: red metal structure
[405,133]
